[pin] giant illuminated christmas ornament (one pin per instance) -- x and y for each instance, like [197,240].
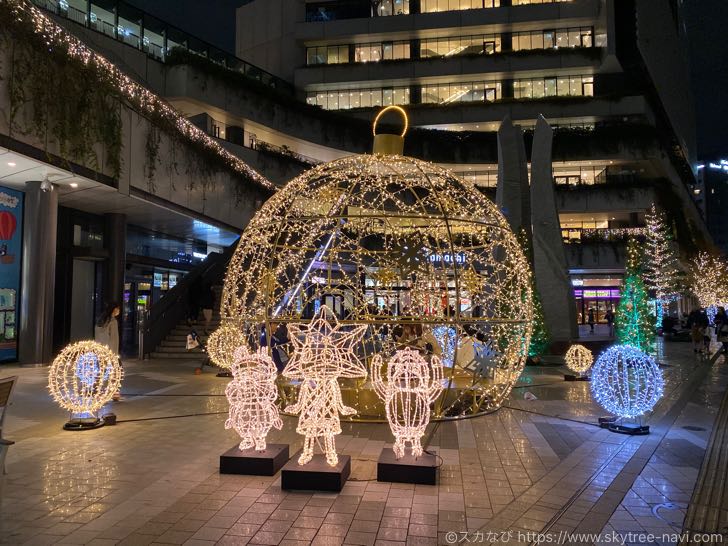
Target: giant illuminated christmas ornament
[579,359]
[323,352]
[252,394]
[401,247]
[411,387]
[627,383]
[82,379]
[222,345]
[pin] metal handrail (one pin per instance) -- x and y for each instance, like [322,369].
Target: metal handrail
[166,313]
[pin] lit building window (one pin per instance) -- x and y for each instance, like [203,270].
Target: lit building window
[429,6]
[561,86]
[460,45]
[553,39]
[447,93]
[359,98]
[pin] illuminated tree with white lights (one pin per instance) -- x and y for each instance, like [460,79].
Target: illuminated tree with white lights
[661,272]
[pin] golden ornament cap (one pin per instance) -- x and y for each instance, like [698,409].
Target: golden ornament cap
[385,144]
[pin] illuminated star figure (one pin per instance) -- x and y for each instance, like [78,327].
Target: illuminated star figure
[252,394]
[323,352]
[407,394]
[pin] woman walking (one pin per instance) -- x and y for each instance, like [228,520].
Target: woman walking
[721,329]
[107,331]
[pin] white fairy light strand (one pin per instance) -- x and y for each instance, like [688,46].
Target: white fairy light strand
[626,381]
[138,96]
[84,377]
[323,353]
[411,387]
[252,394]
[578,359]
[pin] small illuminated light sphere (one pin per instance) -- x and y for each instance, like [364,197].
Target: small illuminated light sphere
[579,359]
[412,385]
[252,394]
[626,381]
[323,352]
[84,377]
[223,344]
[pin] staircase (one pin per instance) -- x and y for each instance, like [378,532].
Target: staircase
[174,344]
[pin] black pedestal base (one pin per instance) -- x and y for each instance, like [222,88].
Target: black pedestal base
[422,470]
[630,428]
[317,475]
[571,377]
[254,463]
[84,424]
[606,422]
[224,373]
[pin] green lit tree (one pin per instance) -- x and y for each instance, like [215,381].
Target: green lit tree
[540,336]
[633,321]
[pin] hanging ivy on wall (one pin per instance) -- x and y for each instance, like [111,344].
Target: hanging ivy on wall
[74,97]
[65,101]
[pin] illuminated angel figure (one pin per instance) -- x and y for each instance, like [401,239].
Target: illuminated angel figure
[323,352]
[407,394]
[252,394]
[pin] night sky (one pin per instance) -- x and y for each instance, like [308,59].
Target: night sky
[706,22]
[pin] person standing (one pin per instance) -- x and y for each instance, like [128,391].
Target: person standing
[696,330]
[609,316]
[207,302]
[591,320]
[106,332]
[721,329]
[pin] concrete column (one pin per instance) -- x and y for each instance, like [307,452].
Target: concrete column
[38,273]
[549,258]
[512,194]
[115,243]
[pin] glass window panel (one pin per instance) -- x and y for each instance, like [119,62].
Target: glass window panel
[562,38]
[550,87]
[538,89]
[322,99]
[537,40]
[387,51]
[365,98]
[103,18]
[588,86]
[345,99]
[586,37]
[575,85]
[376,97]
[548,39]
[344,54]
[406,50]
[562,84]
[75,10]
[332,55]
[574,37]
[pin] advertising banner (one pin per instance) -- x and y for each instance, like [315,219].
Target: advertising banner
[11,244]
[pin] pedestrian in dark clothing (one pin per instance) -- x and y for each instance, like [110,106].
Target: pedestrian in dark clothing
[721,329]
[591,320]
[609,317]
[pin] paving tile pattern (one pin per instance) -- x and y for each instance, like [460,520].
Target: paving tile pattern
[538,465]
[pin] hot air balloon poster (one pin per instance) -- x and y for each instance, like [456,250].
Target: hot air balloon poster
[11,222]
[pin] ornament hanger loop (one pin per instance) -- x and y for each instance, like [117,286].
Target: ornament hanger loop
[387,109]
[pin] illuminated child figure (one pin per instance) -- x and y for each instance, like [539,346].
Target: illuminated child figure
[323,353]
[252,394]
[407,394]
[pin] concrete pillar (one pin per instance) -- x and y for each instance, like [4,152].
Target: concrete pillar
[35,335]
[549,258]
[115,243]
[512,194]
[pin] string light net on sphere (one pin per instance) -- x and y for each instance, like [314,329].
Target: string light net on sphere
[252,394]
[412,385]
[224,345]
[626,381]
[84,377]
[579,359]
[401,247]
[324,352]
